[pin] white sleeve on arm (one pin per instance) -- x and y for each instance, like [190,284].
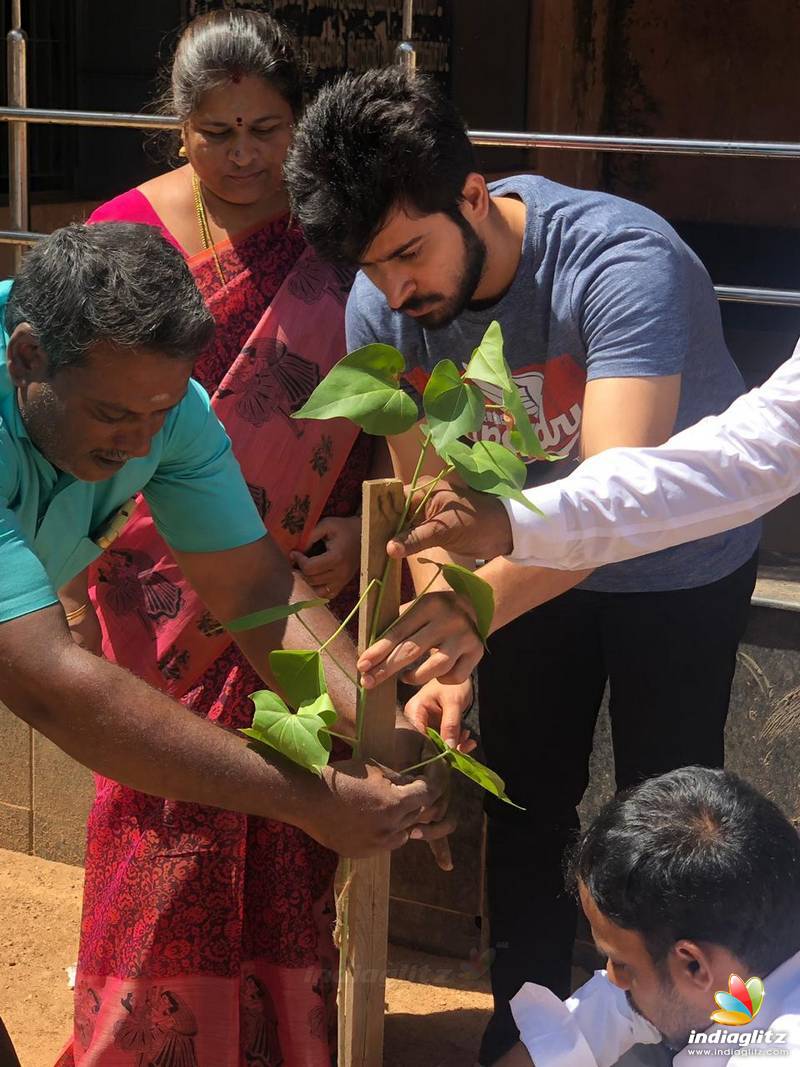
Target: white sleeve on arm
[723,472]
[593,1028]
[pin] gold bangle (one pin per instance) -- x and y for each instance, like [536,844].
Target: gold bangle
[79,614]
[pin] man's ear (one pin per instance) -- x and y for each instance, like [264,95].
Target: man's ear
[476,200]
[691,967]
[25,358]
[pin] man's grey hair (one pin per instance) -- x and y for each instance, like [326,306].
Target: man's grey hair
[115,283]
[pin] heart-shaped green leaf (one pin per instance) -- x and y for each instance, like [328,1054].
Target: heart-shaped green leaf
[322,706]
[474,589]
[299,675]
[365,388]
[453,407]
[300,737]
[523,436]
[268,615]
[491,468]
[486,778]
[488,365]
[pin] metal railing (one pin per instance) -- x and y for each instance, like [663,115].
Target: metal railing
[670,146]
[19,116]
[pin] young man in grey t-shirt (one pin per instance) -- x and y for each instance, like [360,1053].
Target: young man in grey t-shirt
[613,334]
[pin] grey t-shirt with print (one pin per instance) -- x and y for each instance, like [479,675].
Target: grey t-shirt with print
[605,289]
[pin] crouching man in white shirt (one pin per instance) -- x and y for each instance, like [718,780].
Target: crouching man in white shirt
[691,884]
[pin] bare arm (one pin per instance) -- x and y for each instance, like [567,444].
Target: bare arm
[617,411]
[256,576]
[81,617]
[114,723]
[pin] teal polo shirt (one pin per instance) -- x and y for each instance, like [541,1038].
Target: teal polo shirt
[189,478]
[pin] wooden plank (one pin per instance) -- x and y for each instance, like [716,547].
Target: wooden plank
[364,940]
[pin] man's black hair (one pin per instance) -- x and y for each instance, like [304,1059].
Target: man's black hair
[370,142]
[118,283]
[697,854]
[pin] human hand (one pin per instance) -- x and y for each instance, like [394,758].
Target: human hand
[437,822]
[458,519]
[367,809]
[330,571]
[443,707]
[440,624]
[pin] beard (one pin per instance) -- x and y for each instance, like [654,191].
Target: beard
[449,308]
[672,1022]
[43,416]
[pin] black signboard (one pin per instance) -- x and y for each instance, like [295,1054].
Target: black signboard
[341,35]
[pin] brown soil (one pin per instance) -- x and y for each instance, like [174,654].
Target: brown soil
[437,1007]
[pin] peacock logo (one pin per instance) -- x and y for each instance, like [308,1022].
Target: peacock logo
[741,1003]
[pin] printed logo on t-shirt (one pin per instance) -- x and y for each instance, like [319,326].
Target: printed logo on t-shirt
[552,395]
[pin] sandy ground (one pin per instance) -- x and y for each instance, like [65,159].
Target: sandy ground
[437,1008]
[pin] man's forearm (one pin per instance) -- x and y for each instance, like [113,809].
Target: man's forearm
[518,589]
[725,471]
[254,577]
[317,625]
[119,726]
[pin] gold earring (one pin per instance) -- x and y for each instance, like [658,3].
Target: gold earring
[182,151]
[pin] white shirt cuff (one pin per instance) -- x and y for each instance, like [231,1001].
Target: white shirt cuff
[536,538]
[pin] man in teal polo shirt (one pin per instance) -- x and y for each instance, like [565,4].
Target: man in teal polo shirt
[97,403]
[103,325]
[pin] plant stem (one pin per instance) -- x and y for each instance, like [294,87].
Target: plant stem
[442,474]
[425,762]
[419,596]
[359,722]
[342,737]
[349,616]
[415,478]
[377,612]
[328,653]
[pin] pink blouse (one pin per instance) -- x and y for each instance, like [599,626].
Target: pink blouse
[133,206]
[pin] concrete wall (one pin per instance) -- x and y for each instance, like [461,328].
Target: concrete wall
[44,795]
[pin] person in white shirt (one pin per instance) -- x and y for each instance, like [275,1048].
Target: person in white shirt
[723,472]
[691,885]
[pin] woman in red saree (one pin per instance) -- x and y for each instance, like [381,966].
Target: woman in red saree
[206,936]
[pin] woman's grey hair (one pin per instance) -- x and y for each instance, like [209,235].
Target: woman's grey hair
[225,45]
[114,283]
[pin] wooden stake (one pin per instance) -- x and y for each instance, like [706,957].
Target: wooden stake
[366,923]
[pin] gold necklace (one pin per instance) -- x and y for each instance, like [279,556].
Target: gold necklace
[202,221]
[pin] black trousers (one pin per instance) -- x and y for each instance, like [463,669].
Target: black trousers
[669,659]
[8,1058]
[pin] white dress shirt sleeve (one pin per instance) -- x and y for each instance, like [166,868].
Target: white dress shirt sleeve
[723,472]
[593,1028]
